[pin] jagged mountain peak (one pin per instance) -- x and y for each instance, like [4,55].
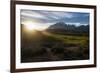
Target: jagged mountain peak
[60,25]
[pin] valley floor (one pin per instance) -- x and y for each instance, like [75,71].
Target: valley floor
[45,46]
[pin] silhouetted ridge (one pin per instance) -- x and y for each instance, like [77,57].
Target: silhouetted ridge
[63,28]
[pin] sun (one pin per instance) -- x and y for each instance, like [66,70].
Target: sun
[31,26]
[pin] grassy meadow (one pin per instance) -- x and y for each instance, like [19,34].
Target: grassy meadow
[41,46]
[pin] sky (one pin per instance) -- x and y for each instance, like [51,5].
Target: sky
[44,19]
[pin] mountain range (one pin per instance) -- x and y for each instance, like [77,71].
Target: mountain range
[63,28]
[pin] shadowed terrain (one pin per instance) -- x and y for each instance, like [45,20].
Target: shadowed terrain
[53,45]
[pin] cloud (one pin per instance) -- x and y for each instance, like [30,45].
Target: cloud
[63,14]
[54,16]
[30,13]
[76,24]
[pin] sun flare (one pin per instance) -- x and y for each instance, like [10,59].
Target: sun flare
[31,26]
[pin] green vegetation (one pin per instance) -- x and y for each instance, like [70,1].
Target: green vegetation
[45,46]
[71,39]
